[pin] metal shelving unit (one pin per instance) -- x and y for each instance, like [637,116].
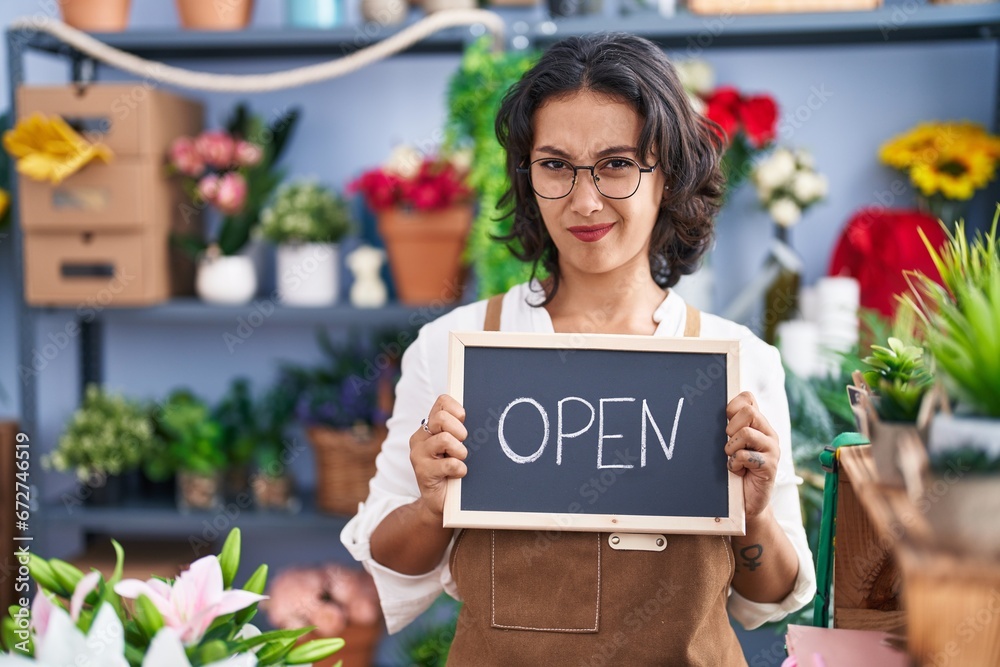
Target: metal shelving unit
[894,24]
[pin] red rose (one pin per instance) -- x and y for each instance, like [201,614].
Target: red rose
[759,115]
[726,119]
[726,97]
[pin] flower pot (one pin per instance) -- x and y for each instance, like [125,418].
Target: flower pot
[953,432]
[888,440]
[226,280]
[96,15]
[214,14]
[384,12]
[197,491]
[431,6]
[236,482]
[425,252]
[274,493]
[307,274]
[345,462]
[315,13]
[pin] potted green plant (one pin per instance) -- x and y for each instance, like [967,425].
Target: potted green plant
[424,210]
[232,171]
[272,482]
[343,403]
[107,437]
[195,450]
[960,324]
[236,416]
[306,221]
[474,94]
[899,379]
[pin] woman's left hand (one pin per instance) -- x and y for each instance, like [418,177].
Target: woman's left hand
[753,452]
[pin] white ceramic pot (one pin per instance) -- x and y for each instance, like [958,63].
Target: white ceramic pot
[307,274]
[951,432]
[226,280]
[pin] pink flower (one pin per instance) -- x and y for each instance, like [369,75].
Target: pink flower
[194,600]
[208,188]
[232,193]
[216,148]
[185,158]
[248,154]
[329,598]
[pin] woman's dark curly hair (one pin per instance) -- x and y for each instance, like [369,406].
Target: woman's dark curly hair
[635,71]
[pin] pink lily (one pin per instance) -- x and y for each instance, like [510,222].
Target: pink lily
[232,193]
[195,600]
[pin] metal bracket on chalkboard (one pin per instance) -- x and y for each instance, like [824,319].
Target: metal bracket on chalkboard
[637,542]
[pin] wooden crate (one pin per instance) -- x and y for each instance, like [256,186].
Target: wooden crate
[891,573]
[779,6]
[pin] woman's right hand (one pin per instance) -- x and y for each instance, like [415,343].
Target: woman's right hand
[439,455]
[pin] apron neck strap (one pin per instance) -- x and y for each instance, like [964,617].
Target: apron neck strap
[692,324]
[493,307]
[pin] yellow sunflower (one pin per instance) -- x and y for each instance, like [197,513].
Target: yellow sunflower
[957,175]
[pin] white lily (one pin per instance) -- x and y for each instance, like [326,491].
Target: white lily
[62,644]
[196,598]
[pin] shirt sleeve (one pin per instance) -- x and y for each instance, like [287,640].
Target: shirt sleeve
[785,501]
[403,597]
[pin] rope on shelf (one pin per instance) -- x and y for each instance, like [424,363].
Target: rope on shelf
[259,83]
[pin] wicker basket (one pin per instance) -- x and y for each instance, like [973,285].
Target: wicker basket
[345,462]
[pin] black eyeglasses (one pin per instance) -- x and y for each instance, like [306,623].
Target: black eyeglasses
[614,177]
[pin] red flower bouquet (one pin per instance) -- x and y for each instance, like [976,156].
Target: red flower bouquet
[411,181]
[749,125]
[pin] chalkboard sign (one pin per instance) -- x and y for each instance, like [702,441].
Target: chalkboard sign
[595,432]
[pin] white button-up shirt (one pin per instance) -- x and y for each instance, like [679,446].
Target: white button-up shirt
[425,377]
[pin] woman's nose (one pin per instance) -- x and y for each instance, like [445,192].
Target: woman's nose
[585,198]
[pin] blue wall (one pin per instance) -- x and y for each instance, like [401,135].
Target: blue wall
[871,92]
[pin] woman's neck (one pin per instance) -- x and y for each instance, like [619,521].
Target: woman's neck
[622,302]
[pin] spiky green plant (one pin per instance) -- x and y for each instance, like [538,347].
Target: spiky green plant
[898,374]
[960,320]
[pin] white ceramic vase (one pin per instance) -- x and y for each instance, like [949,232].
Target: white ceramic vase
[226,280]
[307,274]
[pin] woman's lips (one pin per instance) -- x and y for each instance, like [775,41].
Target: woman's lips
[590,233]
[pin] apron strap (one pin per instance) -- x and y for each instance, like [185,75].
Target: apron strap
[493,308]
[692,324]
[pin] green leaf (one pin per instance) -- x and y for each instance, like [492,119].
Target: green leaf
[243,645]
[229,559]
[147,616]
[314,650]
[274,653]
[116,575]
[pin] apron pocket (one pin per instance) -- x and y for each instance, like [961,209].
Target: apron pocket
[549,582]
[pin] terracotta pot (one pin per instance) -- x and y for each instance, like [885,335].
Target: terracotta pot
[196,491]
[425,252]
[215,14]
[96,15]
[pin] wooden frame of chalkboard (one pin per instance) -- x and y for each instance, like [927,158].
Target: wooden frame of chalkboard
[508,363]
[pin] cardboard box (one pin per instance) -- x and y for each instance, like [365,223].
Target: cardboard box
[134,119]
[107,269]
[103,234]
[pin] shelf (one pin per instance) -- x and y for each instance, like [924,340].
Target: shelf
[147,519]
[893,23]
[255,42]
[192,310]
[899,23]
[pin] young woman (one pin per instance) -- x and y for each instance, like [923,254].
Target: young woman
[615,182]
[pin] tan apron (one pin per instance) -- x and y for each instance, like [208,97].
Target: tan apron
[568,598]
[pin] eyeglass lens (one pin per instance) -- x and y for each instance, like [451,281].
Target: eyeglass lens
[615,177]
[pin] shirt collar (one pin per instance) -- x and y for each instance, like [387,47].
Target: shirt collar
[669,316]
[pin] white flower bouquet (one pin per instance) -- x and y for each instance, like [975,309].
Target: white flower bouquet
[787,184]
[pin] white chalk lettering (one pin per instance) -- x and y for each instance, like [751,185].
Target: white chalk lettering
[667,450]
[601,436]
[511,454]
[559,421]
